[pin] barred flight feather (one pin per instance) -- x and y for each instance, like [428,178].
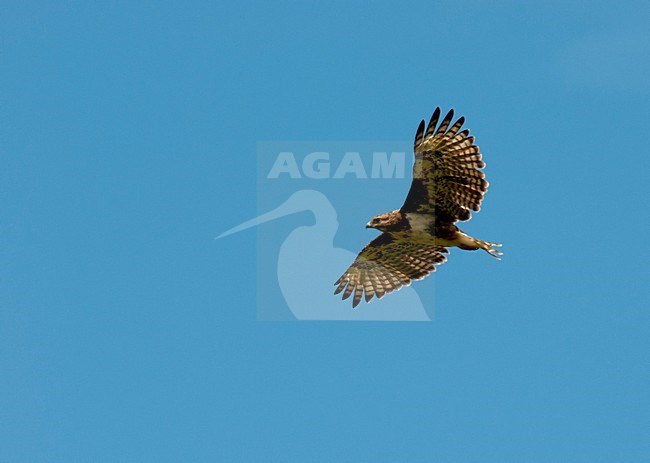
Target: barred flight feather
[447,184]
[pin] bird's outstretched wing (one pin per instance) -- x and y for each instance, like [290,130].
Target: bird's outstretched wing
[447,180]
[386,264]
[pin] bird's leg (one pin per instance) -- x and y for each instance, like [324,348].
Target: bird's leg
[489,247]
[470,243]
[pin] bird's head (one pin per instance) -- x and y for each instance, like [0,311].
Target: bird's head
[385,221]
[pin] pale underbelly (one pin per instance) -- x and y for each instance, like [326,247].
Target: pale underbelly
[459,239]
[427,239]
[446,243]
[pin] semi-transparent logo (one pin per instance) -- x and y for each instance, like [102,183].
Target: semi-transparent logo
[313,201]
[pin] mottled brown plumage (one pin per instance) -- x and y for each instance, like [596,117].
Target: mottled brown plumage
[447,184]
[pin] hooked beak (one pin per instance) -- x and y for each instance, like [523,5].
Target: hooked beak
[368,225]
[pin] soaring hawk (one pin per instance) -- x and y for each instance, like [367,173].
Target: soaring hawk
[447,184]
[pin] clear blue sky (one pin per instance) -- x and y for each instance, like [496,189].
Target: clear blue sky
[127,142]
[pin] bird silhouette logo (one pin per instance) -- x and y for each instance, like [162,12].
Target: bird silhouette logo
[307,261]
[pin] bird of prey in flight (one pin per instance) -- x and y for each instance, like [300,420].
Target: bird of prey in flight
[447,184]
